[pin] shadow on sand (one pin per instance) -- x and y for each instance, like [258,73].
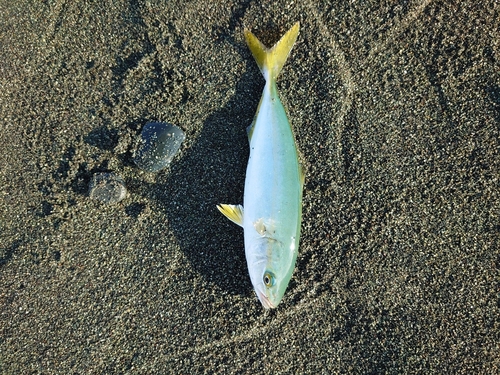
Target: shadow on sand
[212,171]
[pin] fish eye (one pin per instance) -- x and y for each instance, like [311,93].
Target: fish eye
[268,279]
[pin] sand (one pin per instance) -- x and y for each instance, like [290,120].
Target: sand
[396,111]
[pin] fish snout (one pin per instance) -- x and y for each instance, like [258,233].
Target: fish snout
[265,300]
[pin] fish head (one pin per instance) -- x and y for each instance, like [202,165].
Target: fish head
[270,265]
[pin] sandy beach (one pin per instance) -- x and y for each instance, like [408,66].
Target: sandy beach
[396,111]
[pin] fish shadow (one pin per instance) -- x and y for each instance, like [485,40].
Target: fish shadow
[210,172]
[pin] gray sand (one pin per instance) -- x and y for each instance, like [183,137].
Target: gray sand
[396,111]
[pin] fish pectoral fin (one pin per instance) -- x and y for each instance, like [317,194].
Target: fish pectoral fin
[260,227]
[265,228]
[232,212]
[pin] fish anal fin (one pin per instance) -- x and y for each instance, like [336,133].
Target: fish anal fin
[250,129]
[302,175]
[252,125]
[232,212]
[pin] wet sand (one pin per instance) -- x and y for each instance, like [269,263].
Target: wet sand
[396,112]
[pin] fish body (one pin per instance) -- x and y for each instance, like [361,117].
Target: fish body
[272,201]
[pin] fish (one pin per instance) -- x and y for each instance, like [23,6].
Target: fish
[271,214]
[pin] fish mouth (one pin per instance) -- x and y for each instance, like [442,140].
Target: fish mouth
[265,301]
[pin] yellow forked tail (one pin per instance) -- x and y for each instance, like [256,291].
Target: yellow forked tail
[271,60]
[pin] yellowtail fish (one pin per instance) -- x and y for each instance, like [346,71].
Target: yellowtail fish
[274,181]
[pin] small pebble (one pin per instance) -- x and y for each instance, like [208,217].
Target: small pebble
[158,145]
[107,187]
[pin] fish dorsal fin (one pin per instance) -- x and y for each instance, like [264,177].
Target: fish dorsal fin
[232,212]
[271,60]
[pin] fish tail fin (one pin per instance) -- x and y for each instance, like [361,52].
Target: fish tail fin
[271,60]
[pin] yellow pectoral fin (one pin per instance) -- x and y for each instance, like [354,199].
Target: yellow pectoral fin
[232,212]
